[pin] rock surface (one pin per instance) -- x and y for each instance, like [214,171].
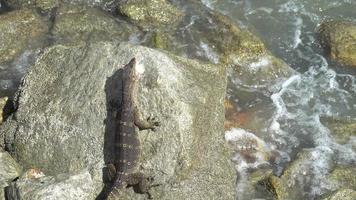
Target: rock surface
[79,186]
[208,35]
[300,176]
[65,118]
[74,24]
[343,194]
[342,130]
[29,28]
[3,101]
[339,41]
[150,14]
[345,177]
[9,170]
[42,4]
[46,5]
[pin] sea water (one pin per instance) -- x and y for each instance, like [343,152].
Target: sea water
[289,119]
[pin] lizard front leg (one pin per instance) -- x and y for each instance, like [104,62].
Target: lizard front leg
[143,124]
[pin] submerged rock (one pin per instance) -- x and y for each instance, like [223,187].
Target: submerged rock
[208,35]
[150,14]
[304,178]
[67,105]
[75,24]
[339,41]
[342,130]
[344,177]
[20,30]
[343,194]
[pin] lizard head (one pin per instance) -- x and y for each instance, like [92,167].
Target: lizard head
[130,70]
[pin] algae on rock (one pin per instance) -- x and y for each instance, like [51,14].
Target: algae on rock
[75,24]
[19,30]
[345,177]
[343,194]
[42,4]
[150,14]
[339,41]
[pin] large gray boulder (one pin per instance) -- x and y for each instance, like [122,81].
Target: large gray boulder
[67,105]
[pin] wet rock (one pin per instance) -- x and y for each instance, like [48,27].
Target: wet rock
[252,162]
[303,178]
[66,118]
[108,5]
[339,41]
[343,194]
[19,30]
[150,14]
[341,129]
[64,186]
[75,24]
[344,177]
[42,4]
[9,170]
[210,36]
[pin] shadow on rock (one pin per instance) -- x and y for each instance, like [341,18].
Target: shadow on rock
[113,92]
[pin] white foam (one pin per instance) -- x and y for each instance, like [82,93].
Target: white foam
[209,53]
[298,32]
[262,62]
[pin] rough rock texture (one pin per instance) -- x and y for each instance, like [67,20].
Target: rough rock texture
[150,14]
[343,194]
[66,118]
[9,170]
[297,178]
[342,130]
[79,23]
[42,4]
[79,186]
[339,41]
[28,26]
[108,5]
[3,101]
[345,177]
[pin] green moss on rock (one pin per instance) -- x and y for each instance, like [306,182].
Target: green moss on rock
[42,4]
[339,41]
[19,30]
[343,194]
[344,177]
[150,14]
[81,23]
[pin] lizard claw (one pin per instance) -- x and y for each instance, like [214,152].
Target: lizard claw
[153,123]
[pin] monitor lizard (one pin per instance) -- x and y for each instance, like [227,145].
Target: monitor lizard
[127,144]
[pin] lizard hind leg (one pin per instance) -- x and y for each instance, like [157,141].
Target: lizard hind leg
[140,183]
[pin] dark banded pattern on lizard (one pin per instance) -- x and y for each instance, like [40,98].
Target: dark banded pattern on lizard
[127,144]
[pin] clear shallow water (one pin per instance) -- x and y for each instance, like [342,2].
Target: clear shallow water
[289,120]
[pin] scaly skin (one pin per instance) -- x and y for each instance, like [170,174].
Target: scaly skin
[127,142]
